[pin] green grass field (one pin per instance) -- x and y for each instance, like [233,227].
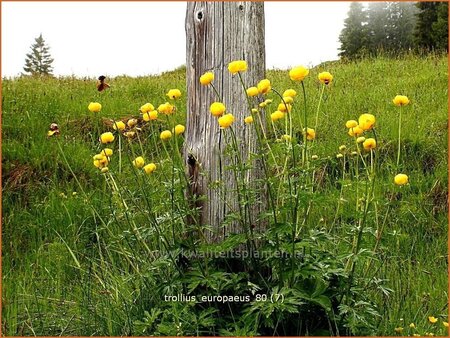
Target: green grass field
[68,260]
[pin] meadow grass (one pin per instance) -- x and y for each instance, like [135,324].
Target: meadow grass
[60,275]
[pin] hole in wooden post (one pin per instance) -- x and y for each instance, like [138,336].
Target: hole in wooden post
[241,7]
[200,15]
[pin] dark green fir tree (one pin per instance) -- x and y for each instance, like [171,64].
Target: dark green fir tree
[39,61]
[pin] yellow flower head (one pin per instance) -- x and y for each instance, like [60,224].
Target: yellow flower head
[149,168]
[360,139]
[119,125]
[288,99]
[284,107]
[290,92]
[207,78]
[173,94]
[217,109]
[264,86]
[314,157]
[99,157]
[150,116]
[165,135]
[179,129]
[445,323]
[107,137]
[252,91]
[398,329]
[356,131]
[298,73]
[339,156]
[129,134]
[325,78]
[139,162]
[226,120]
[286,138]
[166,108]
[94,107]
[131,123]
[369,144]
[400,100]
[342,148]
[104,170]
[412,326]
[277,115]
[248,119]
[237,66]
[351,124]
[107,152]
[366,121]
[310,134]
[254,110]
[402,179]
[146,108]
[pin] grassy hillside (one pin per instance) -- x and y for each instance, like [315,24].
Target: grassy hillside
[67,271]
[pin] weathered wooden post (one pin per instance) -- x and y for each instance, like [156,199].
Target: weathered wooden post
[216,34]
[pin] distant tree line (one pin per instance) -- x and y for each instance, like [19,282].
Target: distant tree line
[393,27]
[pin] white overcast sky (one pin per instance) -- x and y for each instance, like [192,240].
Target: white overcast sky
[142,38]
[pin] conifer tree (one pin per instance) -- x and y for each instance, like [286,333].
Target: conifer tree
[39,61]
[354,35]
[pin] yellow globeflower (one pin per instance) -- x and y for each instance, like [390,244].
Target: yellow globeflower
[339,156]
[179,129]
[284,107]
[131,123]
[252,91]
[119,125]
[369,144]
[264,86]
[237,66]
[431,319]
[342,147]
[351,123]
[98,164]
[360,139]
[400,100]
[107,137]
[217,109]
[146,108]
[286,138]
[226,120]
[298,73]
[310,134]
[149,168]
[398,329]
[402,179]
[173,94]
[290,92]
[150,116]
[254,110]
[314,157]
[412,326]
[288,99]
[277,115]
[94,107]
[107,152]
[104,170]
[248,119]
[165,135]
[356,131]
[166,108]
[325,78]
[445,323]
[139,162]
[207,78]
[366,121]
[99,157]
